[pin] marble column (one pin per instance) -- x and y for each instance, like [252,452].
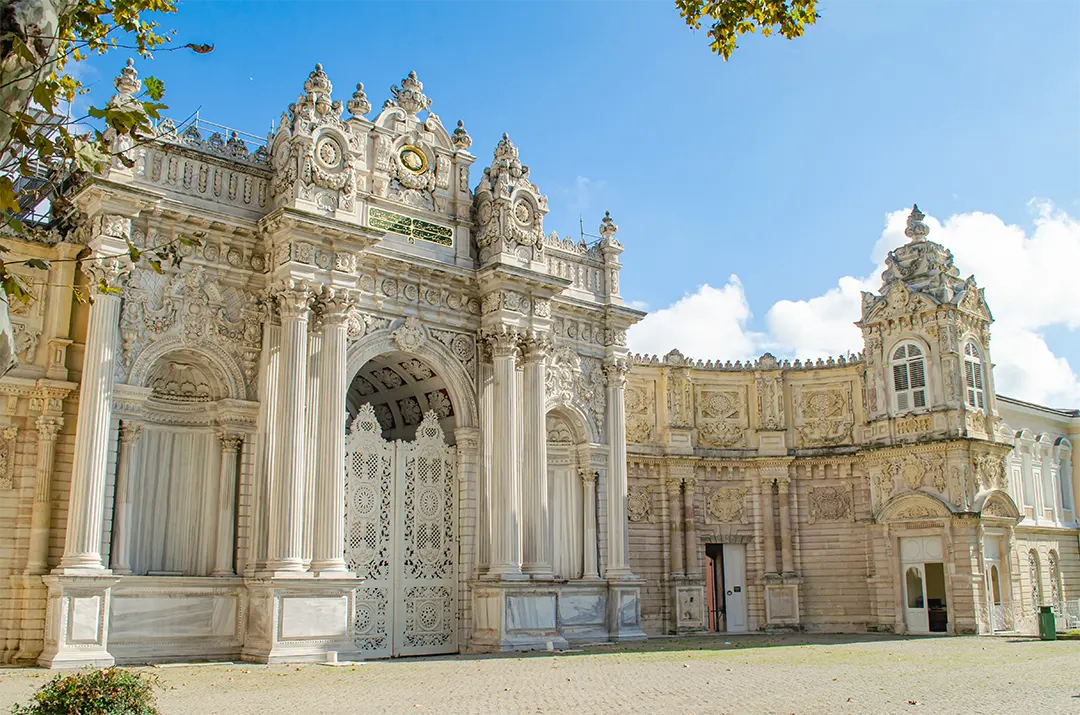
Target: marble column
[226,526]
[674,495]
[37,559]
[122,513]
[312,428]
[588,482]
[768,527]
[690,529]
[329,553]
[287,488]
[538,544]
[266,452]
[617,521]
[787,561]
[86,503]
[505,477]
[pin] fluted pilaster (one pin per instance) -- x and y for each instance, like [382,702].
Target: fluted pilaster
[287,488]
[122,512]
[86,510]
[690,528]
[505,477]
[329,554]
[48,427]
[226,527]
[588,483]
[768,525]
[674,496]
[787,561]
[618,544]
[538,546]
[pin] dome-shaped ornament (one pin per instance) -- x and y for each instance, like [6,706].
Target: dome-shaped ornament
[916,230]
[460,138]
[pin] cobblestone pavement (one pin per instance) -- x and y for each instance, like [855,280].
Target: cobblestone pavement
[717,674]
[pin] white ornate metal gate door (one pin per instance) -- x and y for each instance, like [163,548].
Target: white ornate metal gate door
[426,550]
[401,538]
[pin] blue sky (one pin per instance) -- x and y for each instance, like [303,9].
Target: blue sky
[780,166]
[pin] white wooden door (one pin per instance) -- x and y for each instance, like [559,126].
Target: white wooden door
[401,539]
[916,615]
[735,587]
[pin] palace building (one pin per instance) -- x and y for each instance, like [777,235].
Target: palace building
[376,411]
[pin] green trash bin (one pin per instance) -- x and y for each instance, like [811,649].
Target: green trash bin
[1047,627]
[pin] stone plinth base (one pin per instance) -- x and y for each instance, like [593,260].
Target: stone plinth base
[515,615]
[690,605]
[539,615]
[76,620]
[624,610]
[299,620]
[782,602]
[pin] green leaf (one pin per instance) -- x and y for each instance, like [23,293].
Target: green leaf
[154,87]
[8,201]
[38,263]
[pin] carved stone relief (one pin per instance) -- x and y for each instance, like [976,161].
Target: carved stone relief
[678,398]
[639,504]
[577,380]
[725,505]
[770,398]
[721,417]
[831,503]
[640,413]
[7,456]
[823,413]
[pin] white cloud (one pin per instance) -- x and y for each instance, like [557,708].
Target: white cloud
[706,323]
[579,196]
[1030,285]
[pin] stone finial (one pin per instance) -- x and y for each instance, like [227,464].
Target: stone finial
[460,138]
[916,230]
[317,82]
[359,105]
[127,82]
[410,95]
[506,159]
[608,228]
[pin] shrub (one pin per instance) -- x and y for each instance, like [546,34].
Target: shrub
[105,691]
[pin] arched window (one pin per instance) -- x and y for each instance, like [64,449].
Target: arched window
[1056,596]
[909,377]
[1033,575]
[973,376]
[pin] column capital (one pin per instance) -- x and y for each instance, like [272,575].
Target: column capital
[689,483]
[503,340]
[537,346]
[616,369]
[293,298]
[336,304]
[230,441]
[674,483]
[106,275]
[783,483]
[49,427]
[588,476]
[129,431]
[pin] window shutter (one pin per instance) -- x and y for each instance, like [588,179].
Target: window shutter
[918,376]
[900,378]
[920,397]
[901,401]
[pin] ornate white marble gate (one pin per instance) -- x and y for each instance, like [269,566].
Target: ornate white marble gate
[401,537]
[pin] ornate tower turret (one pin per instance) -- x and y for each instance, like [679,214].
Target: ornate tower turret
[509,211]
[315,154]
[927,335]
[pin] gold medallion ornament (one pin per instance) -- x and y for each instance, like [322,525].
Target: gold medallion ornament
[413,159]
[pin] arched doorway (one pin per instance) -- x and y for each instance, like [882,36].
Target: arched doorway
[400,513]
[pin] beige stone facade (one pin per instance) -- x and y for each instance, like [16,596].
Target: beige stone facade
[842,478]
[376,411]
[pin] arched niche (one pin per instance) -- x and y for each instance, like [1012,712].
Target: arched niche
[401,389]
[170,482]
[997,504]
[224,366]
[568,466]
[913,505]
[458,382]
